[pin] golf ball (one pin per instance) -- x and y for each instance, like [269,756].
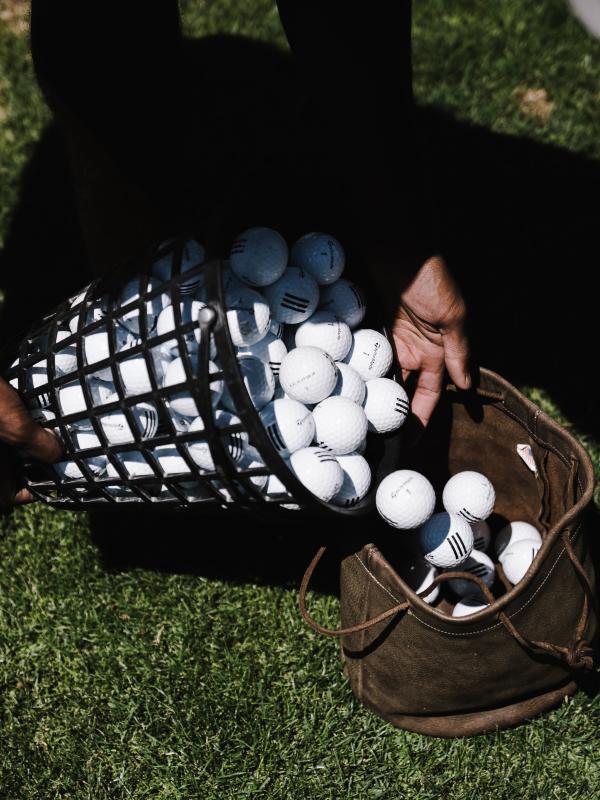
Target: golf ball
[308,374]
[117,429]
[469,494]
[189,310]
[258,380]
[357,480]
[259,256]
[248,315]
[271,350]
[514,532]
[294,297]
[289,425]
[419,575]
[481,535]
[386,405]
[318,470]
[346,301]
[469,605]
[349,384]
[446,540]
[370,354]
[405,499]
[132,292]
[326,331]
[235,442]
[340,425]
[193,255]
[518,557]
[134,375]
[321,255]
[478,564]
[182,402]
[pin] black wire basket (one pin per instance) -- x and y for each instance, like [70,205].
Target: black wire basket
[53,366]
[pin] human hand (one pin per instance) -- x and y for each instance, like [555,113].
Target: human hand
[428,332]
[19,430]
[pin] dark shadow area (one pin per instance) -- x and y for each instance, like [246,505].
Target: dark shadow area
[518,229]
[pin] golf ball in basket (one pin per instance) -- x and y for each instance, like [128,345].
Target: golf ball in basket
[271,350]
[481,536]
[253,460]
[294,297]
[346,301]
[65,360]
[134,375]
[133,462]
[289,425]
[469,494]
[446,540]
[386,405]
[478,564]
[248,315]
[340,425]
[117,429]
[370,354]
[96,347]
[469,605]
[518,557]
[259,256]
[405,499]
[193,255]
[132,292]
[326,331]
[308,374]
[419,575]
[182,402]
[318,470]
[321,255]
[235,442]
[189,310]
[258,380]
[357,480]
[349,384]
[514,532]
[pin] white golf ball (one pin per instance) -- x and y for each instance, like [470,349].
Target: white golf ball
[189,310]
[103,392]
[37,374]
[271,350]
[419,575]
[514,532]
[134,463]
[65,360]
[259,256]
[326,331]
[481,536]
[132,292]
[349,384]
[357,480]
[248,315]
[478,564]
[446,540]
[289,425]
[308,374]
[469,605]
[71,399]
[518,557]
[370,354]
[386,405]
[235,442]
[318,470]
[469,494]
[340,425]
[274,487]
[134,375]
[294,297]
[68,470]
[252,459]
[258,380]
[182,402]
[117,429]
[84,440]
[170,460]
[346,301]
[192,256]
[96,347]
[405,499]
[321,255]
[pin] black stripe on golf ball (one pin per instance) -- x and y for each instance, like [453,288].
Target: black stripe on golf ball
[468,516]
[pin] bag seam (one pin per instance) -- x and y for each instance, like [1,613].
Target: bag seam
[481,630]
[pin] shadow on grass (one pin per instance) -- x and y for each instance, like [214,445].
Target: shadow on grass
[518,229]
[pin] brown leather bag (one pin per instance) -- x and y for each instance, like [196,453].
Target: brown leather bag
[425,671]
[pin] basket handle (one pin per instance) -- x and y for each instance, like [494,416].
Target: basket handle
[578,655]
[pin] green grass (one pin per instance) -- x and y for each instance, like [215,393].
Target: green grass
[138,684]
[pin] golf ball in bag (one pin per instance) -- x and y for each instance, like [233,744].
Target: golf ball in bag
[357,480]
[289,425]
[271,350]
[258,380]
[469,494]
[235,442]
[478,564]
[469,605]
[349,384]
[318,470]
[346,301]
[321,255]
[326,331]
[514,532]
[446,540]
[482,536]
[340,425]
[193,255]
[259,256]
[308,374]
[248,315]
[386,405]
[405,499]
[294,297]
[370,354]
[419,575]
[518,557]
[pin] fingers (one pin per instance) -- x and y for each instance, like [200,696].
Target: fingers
[23,496]
[456,355]
[427,394]
[43,445]
[19,430]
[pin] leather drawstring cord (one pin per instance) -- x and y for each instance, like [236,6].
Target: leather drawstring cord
[578,655]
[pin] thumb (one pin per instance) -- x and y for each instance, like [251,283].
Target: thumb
[42,444]
[456,355]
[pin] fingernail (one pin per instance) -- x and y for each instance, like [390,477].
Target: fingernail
[467,381]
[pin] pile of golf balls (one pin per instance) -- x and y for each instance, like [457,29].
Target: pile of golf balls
[458,538]
[318,381]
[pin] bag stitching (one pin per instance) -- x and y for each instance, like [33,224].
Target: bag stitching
[482,630]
